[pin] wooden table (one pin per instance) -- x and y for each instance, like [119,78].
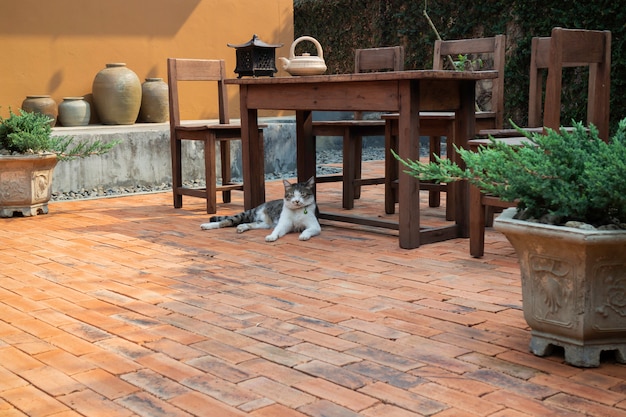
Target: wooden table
[404,92]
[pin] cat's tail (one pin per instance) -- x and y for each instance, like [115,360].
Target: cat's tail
[218,222]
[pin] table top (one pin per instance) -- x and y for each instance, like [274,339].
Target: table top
[371,76]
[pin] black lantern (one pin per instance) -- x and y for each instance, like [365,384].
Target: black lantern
[255,58]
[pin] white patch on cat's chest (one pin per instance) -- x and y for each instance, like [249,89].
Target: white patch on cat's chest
[299,215]
[296,214]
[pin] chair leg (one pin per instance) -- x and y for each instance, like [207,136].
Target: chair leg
[349,170]
[489,215]
[177,175]
[209,172]
[450,204]
[391,166]
[476,222]
[225,168]
[434,196]
[358,164]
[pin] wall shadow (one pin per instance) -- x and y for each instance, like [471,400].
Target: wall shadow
[96,18]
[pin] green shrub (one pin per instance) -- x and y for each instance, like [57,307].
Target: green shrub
[25,133]
[570,175]
[31,133]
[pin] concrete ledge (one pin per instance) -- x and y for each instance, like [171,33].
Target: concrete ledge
[143,157]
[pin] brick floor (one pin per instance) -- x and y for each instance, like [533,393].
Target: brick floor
[124,307]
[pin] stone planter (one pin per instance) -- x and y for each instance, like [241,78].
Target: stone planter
[573,288]
[25,184]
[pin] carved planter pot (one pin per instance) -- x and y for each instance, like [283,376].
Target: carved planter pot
[25,184]
[573,288]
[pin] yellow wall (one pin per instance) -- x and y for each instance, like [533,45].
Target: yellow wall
[57,47]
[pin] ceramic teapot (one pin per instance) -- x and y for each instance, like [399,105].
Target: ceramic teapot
[304,64]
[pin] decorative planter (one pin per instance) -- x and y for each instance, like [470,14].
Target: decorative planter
[117,95]
[74,111]
[573,288]
[43,104]
[154,101]
[25,184]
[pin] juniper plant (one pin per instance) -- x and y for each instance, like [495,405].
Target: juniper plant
[566,174]
[31,133]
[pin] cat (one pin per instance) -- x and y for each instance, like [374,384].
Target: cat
[296,212]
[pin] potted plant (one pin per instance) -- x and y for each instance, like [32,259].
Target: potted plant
[28,155]
[568,229]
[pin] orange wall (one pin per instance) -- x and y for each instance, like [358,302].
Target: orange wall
[57,47]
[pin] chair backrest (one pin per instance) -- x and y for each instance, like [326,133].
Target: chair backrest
[389,58]
[570,48]
[495,46]
[213,70]
[539,57]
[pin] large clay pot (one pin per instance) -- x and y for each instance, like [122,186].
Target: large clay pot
[154,101]
[25,184]
[117,95]
[43,104]
[74,111]
[573,288]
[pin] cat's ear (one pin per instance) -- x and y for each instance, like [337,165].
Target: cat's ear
[310,182]
[287,184]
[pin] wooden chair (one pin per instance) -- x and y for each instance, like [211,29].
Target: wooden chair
[201,70]
[438,124]
[434,125]
[495,46]
[564,48]
[353,131]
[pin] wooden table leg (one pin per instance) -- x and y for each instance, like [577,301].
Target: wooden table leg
[305,145]
[408,149]
[464,130]
[253,167]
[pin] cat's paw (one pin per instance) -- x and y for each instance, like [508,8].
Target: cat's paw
[305,236]
[271,238]
[243,228]
[208,226]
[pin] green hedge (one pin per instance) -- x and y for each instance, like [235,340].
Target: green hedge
[342,26]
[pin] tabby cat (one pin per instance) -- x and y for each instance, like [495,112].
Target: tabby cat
[296,212]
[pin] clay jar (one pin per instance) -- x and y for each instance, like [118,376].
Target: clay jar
[74,111]
[117,95]
[154,101]
[43,104]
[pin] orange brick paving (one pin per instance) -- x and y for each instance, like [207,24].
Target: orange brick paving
[124,307]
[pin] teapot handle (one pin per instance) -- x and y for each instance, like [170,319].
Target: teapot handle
[292,52]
